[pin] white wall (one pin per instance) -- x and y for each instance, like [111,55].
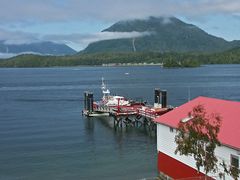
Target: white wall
[166,144]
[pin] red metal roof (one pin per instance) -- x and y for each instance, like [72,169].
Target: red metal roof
[229,111]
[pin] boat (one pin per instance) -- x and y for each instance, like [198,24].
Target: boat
[112,101]
[116,106]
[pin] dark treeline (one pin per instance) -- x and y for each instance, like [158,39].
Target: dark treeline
[168,59]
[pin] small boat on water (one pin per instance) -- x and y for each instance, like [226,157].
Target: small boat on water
[121,106]
[112,101]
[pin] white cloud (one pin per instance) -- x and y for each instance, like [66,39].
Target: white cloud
[6,55]
[26,13]
[17,37]
[84,39]
[108,10]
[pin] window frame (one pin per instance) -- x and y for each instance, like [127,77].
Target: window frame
[171,129]
[236,158]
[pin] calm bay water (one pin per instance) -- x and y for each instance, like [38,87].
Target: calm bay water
[44,136]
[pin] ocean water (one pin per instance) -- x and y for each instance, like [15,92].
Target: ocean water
[44,136]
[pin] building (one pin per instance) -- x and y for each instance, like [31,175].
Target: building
[178,167]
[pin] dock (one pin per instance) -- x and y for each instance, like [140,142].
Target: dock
[126,112]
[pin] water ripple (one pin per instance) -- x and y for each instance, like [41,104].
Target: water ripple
[37,88]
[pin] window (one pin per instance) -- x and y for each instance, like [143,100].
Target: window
[235,161]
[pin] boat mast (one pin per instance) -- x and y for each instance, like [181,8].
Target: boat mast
[105,91]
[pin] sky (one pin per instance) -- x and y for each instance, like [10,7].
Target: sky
[80,22]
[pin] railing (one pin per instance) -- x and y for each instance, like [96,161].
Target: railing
[148,113]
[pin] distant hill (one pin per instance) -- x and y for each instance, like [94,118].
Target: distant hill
[166,35]
[45,48]
[131,58]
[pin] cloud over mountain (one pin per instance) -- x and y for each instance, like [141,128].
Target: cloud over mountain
[19,37]
[85,39]
[27,21]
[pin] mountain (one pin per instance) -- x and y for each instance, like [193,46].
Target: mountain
[45,48]
[164,35]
